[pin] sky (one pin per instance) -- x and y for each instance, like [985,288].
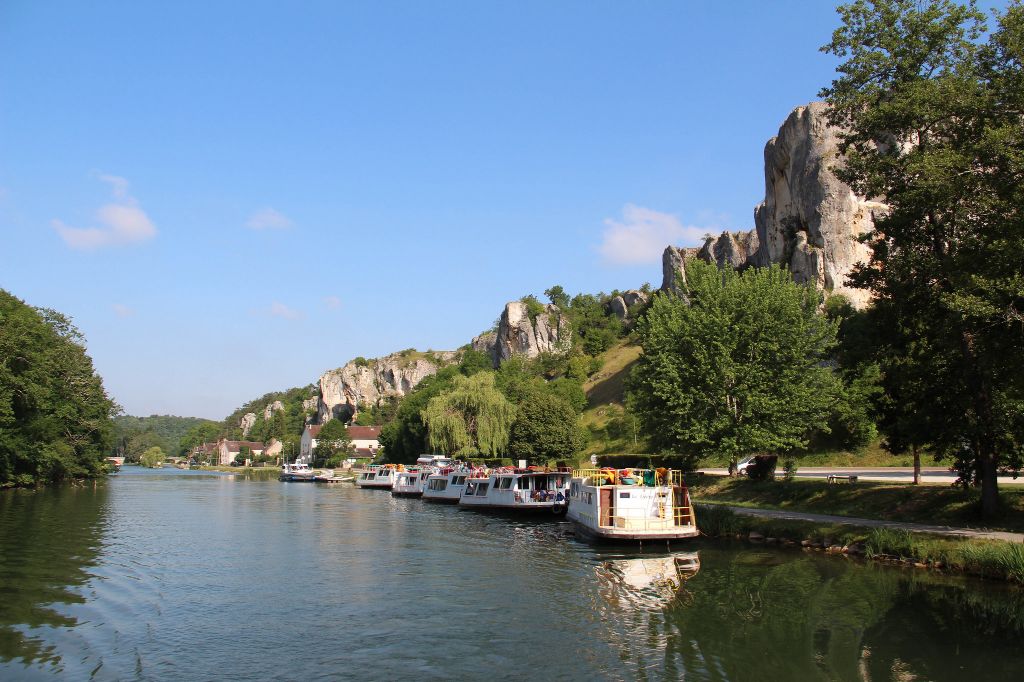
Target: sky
[232,198]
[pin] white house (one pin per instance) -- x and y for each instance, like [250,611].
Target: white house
[308,443]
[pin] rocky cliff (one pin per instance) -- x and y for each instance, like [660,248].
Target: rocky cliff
[365,382]
[520,333]
[809,221]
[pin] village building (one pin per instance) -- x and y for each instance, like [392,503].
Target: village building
[228,450]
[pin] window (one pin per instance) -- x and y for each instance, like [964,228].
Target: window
[481,489]
[623,495]
[506,483]
[471,488]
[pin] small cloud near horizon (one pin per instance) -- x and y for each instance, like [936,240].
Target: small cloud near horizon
[332,302]
[123,221]
[642,234]
[278,309]
[122,310]
[269,219]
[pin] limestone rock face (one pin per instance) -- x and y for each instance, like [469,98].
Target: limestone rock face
[621,304]
[485,343]
[269,410]
[246,424]
[809,221]
[310,408]
[365,382]
[549,332]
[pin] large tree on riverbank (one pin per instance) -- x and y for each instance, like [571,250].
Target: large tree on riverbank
[739,366]
[935,125]
[55,417]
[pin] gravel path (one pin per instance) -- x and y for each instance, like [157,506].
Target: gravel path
[874,523]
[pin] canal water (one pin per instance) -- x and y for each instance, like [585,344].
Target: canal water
[183,575]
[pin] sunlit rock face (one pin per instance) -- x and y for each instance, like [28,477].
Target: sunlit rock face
[810,221]
[518,335]
[365,382]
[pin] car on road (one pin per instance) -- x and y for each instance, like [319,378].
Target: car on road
[744,464]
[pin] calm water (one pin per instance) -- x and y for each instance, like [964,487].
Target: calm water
[187,575]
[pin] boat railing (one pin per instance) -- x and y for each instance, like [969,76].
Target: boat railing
[630,476]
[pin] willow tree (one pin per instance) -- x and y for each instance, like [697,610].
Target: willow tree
[738,366]
[472,417]
[933,112]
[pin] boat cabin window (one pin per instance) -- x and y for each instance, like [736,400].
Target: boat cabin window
[575,490]
[459,480]
[471,488]
[623,495]
[482,489]
[524,483]
[505,483]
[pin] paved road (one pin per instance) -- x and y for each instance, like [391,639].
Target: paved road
[892,474]
[875,523]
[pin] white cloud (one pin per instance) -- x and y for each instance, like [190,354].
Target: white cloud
[268,219]
[332,302]
[642,235]
[122,310]
[123,221]
[278,309]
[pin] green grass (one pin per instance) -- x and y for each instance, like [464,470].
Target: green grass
[886,501]
[986,558]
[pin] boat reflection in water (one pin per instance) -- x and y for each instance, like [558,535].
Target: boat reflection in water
[648,582]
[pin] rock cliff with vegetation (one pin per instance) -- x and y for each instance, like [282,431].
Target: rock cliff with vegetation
[526,328]
[810,221]
[363,383]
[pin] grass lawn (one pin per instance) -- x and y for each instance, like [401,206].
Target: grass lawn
[933,504]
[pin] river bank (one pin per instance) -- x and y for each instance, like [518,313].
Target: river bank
[990,559]
[943,505]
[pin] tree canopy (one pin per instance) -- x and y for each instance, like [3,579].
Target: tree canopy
[55,416]
[933,121]
[743,367]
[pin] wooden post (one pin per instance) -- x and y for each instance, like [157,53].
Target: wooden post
[917,464]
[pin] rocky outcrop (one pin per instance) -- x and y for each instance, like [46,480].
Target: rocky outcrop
[269,410]
[622,304]
[519,333]
[247,422]
[366,382]
[310,408]
[810,221]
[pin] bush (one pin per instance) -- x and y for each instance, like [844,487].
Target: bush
[789,466]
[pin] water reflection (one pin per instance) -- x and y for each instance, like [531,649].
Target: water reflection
[49,539]
[646,582]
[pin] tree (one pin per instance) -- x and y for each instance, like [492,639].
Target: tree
[55,416]
[932,120]
[742,368]
[333,444]
[152,458]
[558,297]
[472,417]
[545,428]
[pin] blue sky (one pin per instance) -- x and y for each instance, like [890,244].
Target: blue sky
[231,198]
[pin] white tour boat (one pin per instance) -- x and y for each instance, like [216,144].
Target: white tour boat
[377,476]
[410,483]
[518,490]
[296,471]
[639,504]
[447,485]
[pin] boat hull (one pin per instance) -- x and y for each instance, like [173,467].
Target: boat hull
[612,535]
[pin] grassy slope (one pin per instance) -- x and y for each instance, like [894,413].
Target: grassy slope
[888,501]
[611,432]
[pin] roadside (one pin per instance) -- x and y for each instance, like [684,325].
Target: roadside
[893,474]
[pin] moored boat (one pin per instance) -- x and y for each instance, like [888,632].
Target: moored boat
[410,483]
[631,505]
[377,476]
[447,485]
[296,472]
[518,490]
